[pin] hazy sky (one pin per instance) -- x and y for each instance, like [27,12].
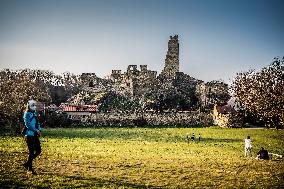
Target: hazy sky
[218,38]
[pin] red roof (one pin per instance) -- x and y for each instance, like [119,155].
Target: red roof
[79,108]
[225,109]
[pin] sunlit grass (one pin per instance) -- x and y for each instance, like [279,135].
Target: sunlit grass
[145,157]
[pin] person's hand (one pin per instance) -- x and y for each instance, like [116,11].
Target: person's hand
[38,132]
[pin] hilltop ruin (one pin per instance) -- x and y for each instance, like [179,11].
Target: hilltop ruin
[171,89]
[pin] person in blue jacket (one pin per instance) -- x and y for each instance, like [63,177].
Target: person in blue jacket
[32,134]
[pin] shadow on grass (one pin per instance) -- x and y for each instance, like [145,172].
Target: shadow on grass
[13,175]
[221,140]
[99,182]
[62,181]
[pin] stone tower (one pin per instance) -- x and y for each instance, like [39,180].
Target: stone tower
[172,59]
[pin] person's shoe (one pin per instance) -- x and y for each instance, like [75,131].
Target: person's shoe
[29,172]
[33,172]
[25,165]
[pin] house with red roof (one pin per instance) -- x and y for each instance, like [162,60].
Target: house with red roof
[78,112]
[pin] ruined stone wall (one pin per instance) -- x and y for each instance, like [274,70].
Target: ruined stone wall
[217,87]
[201,93]
[116,76]
[139,82]
[134,81]
[151,119]
[88,78]
[145,81]
[172,59]
[120,83]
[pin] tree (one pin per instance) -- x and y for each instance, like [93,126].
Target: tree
[16,88]
[261,93]
[58,94]
[113,102]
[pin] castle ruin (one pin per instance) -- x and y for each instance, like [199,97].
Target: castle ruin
[134,81]
[170,87]
[172,59]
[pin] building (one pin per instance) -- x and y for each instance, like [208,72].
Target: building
[79,112]
[172,59]
[144,85]
[226,116]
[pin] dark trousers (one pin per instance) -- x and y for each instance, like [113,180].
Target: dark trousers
[34,150]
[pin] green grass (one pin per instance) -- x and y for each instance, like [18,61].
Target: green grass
[144,158]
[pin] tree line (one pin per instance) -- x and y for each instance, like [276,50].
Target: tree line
[259,94]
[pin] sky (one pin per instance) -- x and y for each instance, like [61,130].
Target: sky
[218,38]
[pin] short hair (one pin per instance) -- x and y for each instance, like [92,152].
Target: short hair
[248,137]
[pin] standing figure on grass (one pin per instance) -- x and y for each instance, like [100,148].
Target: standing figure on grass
[32,133]
[192,137]
[248,147]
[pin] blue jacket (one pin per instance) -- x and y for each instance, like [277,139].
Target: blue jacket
[30,123]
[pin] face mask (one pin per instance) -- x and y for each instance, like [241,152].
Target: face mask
[32,105]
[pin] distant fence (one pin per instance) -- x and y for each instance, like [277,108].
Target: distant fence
[147,119]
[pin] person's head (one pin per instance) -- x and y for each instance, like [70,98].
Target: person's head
[262,148]
[31,105]
[248,137]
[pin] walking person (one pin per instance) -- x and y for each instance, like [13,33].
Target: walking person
[32,134]
[248,147]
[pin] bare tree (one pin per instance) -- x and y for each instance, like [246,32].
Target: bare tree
[16,88]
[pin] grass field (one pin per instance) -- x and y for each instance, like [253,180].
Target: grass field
[144,158]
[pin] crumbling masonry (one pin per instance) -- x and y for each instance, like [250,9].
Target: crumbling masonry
[138,84]
[172,59]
